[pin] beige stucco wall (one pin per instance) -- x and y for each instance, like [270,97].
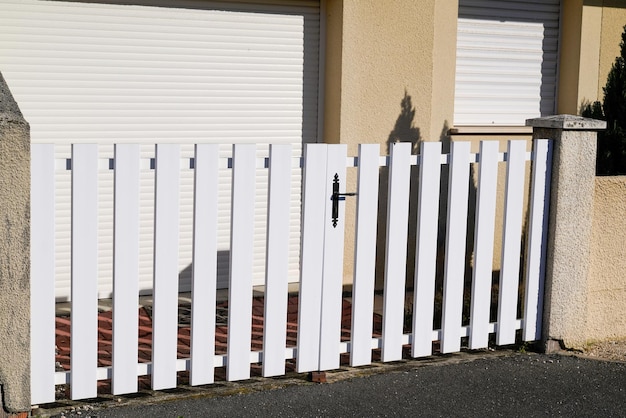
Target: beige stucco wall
[379,53]
[590,40]
[569,56]
[613,21]
[590,37]
[14,255]
[375,52]
[606,305]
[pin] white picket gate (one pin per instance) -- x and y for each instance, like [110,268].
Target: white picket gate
[319,342]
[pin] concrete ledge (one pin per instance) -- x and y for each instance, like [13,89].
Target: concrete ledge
[567,122]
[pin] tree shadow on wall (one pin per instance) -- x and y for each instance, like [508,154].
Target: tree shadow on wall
[405,130]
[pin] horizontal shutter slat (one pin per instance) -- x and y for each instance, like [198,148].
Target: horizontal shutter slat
[211,71]
[506,61]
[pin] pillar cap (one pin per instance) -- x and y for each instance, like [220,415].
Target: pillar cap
[567,122]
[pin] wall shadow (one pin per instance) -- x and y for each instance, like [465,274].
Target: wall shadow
[223,270]
[444,203]
[405,130]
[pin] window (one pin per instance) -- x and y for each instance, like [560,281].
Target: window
[506,63]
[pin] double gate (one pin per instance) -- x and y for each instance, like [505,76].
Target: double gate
[448,303]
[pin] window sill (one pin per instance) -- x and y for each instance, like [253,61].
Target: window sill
[491,130]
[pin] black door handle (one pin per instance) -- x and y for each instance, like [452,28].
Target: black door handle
[336,197]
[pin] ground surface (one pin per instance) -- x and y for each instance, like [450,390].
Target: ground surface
[485,384]
[609,350]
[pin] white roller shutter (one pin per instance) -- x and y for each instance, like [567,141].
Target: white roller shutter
[164,72]
[506,63]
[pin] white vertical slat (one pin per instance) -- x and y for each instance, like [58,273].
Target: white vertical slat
[125,268]
[204,264]
[483,244]
[84,345]
[395,261]
[241,262]
[277,261]
[537,238]
[312,256]
[511,242]
[426,248]
[365,255]
[42,324]
[165,310]
[455,247]
[332,277]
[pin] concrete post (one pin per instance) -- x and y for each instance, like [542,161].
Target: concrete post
[14,255]
[570,222]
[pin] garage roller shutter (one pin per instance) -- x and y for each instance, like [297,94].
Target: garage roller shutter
[153,72]
[506,64]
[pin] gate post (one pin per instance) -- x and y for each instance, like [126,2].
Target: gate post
[569,229]
[14,255]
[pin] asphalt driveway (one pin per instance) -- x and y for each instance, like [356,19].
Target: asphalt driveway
[503,384]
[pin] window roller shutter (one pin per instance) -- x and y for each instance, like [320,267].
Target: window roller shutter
[506,64]
[209,71]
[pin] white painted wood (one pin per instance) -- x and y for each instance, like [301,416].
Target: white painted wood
[125,269]
[204,266]
[537,238]
[426,248]
[42,323]
[226,72]
[396,250]
[330,335]
[166,233]
[312,256]
[511,242]
[241,262]
[483,244]
[365,255]
[277,261]
[454,273]
[84,313]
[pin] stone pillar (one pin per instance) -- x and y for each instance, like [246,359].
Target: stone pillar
[569,231]
[14,255]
